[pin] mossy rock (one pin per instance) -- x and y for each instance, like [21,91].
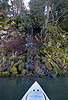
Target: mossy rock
[2,28]
[12,63]
[13,21]
[65,70]
[44,60]
[13,70]
[55,70]
[17,75]
[5,73]
[21,66]
[17,63]
[48,66]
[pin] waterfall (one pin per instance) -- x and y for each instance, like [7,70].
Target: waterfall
[29,46]
[30,34]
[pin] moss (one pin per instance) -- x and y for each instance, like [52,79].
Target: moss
[14,22]
[4,58]
[5,73]
[66,59]
[65,70]
[1,28]
[12,63]
[20,53]
[54,64]
[21,28]
[17,75]
[44,60]
[48,66]
[13,70]
[21,66]
[41,75]
[55,70]
[1,60]
[62,30]
[37,57]
[28,52]
[22,58]
[11,59]
[17,63]
[58,69]
[1,15]
[37,61]
[0,72]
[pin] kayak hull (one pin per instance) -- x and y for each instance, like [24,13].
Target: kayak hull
[35,92]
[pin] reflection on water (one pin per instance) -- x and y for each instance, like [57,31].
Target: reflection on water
[15,88]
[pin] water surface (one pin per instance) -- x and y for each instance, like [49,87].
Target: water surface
[15,88]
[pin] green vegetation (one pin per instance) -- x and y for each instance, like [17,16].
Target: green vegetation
[48,52]
[21,66]
[13,70]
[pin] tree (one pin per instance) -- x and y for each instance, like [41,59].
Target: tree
[16,7]
[4,6]
[59,7]
[37,12]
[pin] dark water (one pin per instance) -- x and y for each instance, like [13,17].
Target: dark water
[15,88]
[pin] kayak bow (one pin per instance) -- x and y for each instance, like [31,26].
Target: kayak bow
[35,92]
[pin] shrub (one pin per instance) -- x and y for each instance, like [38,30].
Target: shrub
[13,44]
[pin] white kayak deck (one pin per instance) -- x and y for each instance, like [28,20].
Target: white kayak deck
[35,92]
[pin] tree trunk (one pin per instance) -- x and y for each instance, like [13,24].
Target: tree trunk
[17,10]
[12,7]
[52,15]
[48,6]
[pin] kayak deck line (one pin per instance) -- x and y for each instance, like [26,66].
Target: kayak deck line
[35,92]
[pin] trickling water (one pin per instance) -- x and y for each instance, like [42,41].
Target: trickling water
[29,45]
[30,34]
